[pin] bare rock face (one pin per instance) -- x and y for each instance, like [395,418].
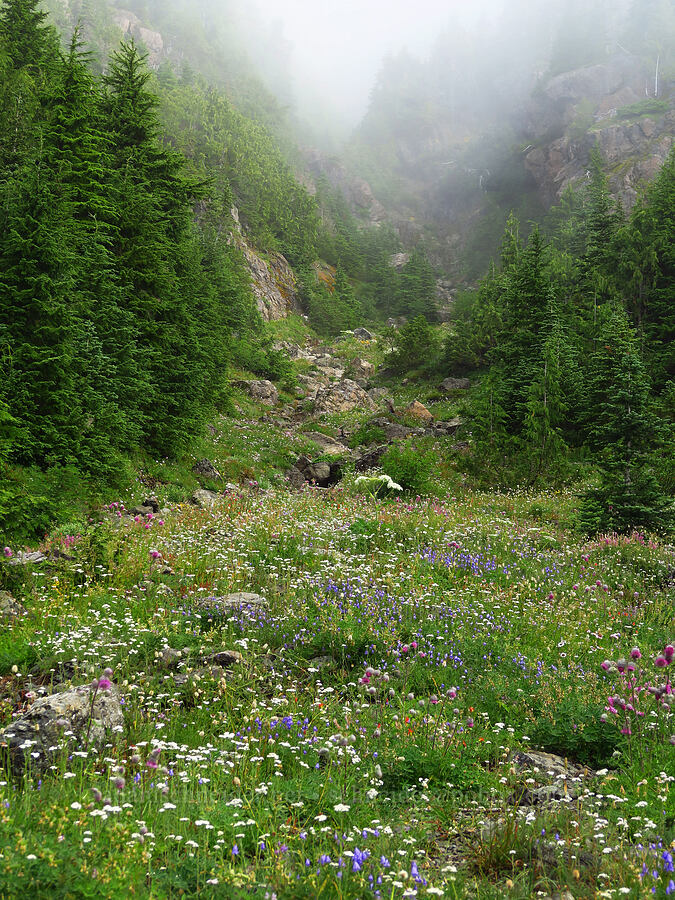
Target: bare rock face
[355,190]
[264,391]
[66,719]
[344,396]
[129,23]
[399,260]
[584,108]
[274,285]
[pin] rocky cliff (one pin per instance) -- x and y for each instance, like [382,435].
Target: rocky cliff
[131,26]
[610,106]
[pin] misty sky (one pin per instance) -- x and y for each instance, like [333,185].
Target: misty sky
[338,45]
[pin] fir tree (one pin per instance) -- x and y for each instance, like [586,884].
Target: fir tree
[417,288]
[622,433]
[155,251]
[24,33]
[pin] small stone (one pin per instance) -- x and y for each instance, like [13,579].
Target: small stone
[225,658]
[170,658]
[142,511]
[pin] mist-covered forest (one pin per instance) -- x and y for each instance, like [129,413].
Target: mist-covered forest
[337,458]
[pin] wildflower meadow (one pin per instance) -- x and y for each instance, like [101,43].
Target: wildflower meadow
[398,679]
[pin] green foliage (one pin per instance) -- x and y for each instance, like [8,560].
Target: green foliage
[246,164]
[416,295]
[645,248]
[415,344]
[623,432]
[329,311]
[31,499]
[643,108]
[410,467]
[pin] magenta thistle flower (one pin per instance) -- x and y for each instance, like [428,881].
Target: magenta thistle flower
[635,653]
[7,553]
[669,652]
[660,662]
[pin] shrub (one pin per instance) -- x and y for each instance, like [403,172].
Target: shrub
[409,467]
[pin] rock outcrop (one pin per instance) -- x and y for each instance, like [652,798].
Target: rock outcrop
[131,26]
[598,106]
[356,191]
[273,282]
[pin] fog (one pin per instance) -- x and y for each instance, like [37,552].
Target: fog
[336,47]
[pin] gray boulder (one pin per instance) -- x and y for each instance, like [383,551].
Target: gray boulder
[345,396]
[204,499]
[363,334]
[263,391]
[455,384]
[33,558]
[63,720]
[322,473]
[10,609]
[361,368]
[327,444]
[206,469]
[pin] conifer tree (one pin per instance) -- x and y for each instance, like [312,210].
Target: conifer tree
[417,289]
[24,33]
[344,296]
[528,299]
[155,252]
[646,255]
[622,433]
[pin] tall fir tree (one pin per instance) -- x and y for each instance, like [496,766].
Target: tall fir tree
[622,432]
[154,249]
